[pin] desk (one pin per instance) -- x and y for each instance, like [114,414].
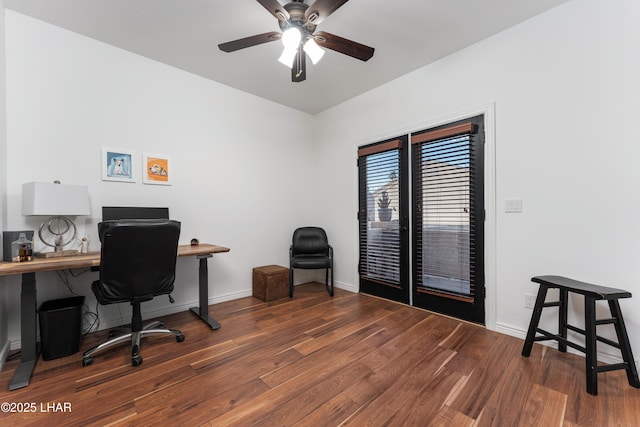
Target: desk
[28,312]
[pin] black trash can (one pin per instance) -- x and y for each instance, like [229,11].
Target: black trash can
[60,327]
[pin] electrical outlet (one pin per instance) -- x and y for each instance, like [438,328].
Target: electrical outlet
[529,300]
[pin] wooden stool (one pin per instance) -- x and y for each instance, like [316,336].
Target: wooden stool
[270,282]
[591,294]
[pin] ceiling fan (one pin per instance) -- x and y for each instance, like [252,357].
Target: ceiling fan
[298,23]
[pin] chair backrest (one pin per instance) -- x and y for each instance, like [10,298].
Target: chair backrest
[309,240]
[138,257]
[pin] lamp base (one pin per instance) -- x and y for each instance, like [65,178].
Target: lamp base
[58,254]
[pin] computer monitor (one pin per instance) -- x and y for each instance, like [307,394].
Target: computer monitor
[131,212]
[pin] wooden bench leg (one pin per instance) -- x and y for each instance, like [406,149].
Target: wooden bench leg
[591,357]
[535,319]
[625,345]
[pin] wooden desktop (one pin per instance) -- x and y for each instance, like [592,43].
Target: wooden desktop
[28,311]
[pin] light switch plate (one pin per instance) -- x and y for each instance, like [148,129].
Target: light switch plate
[513,206]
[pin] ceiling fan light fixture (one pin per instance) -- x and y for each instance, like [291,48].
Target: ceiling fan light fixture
[291,38]
[314,51]
[287,56]
[298,21]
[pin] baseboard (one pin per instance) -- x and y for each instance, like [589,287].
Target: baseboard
[306,276]
[346,286]
[604,357]
[230,297]
[172,309]
[4,353]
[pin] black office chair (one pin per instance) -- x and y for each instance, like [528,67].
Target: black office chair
[310,249]
[137,262]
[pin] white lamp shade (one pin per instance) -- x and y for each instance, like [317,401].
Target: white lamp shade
[41,198]
[314,51]
[287,57]
[291,38]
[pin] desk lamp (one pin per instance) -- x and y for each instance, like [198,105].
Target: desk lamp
[58,201]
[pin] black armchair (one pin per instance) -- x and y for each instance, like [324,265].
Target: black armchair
[310,249]
[137,263]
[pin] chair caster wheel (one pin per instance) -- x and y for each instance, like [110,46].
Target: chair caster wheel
[180,337]
[136,361]
[86,361]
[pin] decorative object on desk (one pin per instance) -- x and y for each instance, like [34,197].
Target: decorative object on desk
[384,213]
[22,249]
[117,165]
[156,169]
[58,201]
[84,245]
[195,242]
[8,237]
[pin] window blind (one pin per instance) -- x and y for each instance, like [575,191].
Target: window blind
[379,169]
[444,213]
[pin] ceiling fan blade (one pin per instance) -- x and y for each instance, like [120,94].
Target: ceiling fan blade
[275,8]
[339,44]
[234,45]
[299,69]
[320,9]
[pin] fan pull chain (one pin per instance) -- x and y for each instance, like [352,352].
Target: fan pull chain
[299,65]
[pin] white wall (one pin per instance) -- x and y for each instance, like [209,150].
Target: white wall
[233,167]
[566,95]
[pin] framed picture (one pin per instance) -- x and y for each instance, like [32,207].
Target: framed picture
[156,169]
[118,165]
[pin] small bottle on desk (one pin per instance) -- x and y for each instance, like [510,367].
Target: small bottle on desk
[21,249]
[84,245]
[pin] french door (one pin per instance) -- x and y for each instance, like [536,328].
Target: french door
[447,227]
[448,219]
[384,220]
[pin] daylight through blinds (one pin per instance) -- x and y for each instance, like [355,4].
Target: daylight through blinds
[380,197]
[444,217]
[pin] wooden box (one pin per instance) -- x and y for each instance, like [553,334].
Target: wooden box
[270,282]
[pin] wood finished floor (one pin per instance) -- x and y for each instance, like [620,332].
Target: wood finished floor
[319,361]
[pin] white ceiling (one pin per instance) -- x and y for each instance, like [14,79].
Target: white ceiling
[406,35]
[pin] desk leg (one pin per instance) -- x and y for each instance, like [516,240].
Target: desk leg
[203,284]
[29,350]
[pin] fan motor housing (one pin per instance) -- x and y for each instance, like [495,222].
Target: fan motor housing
[296,10]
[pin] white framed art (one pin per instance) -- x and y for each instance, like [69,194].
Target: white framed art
[156,169]
[118,164]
